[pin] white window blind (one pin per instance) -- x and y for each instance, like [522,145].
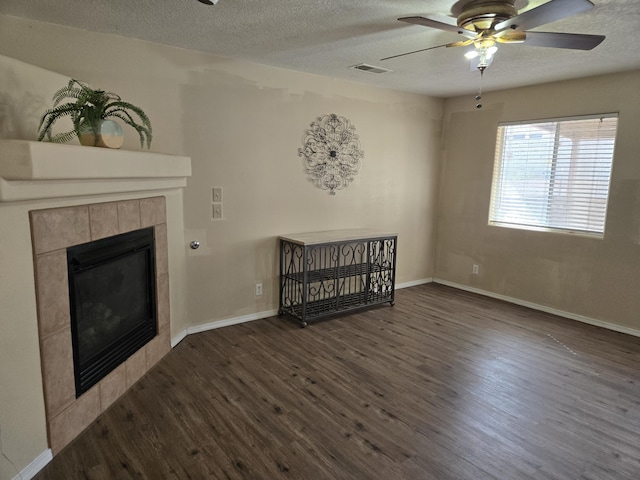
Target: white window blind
[554,174]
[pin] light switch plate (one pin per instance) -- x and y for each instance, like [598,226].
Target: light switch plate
[217,211]
[216,194]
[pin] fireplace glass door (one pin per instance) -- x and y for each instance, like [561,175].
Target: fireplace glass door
[113,302]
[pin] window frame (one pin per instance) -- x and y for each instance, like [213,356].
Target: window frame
[497,179]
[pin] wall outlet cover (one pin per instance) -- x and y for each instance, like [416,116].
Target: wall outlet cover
[216,194]
[217,211]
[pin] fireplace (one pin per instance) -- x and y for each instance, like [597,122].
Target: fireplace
[90,237]
[112,300]
[52,197]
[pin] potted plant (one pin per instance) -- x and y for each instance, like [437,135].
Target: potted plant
[90,113]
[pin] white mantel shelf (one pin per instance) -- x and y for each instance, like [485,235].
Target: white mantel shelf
[40,170]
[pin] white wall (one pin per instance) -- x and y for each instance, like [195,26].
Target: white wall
[242,125]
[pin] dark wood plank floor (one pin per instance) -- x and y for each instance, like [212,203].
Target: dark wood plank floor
[444,385]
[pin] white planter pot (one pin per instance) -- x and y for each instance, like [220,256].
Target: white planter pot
[109,135]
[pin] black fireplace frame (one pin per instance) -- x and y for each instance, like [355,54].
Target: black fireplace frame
[80,258]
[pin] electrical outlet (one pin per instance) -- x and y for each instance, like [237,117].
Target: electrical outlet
[217,211]
[216,194]
[475,269]
[258,289]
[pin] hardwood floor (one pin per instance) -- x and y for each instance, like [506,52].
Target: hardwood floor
[444,385]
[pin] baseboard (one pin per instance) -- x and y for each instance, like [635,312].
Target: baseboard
[231,321]
[34,467]
[178,338]
[542,308]
[414,283]
[257,316]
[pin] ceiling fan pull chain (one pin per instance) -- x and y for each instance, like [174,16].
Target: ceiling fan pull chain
[479,95]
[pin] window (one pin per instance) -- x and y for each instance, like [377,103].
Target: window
[553,174]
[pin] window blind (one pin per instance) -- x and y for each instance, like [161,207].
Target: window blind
[554,174]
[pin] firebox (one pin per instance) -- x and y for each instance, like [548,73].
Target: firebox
[112,293]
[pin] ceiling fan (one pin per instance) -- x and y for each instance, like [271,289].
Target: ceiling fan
[485,23]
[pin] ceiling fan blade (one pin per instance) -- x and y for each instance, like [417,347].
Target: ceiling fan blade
[447,27]
[510,36]
[545,13]
[461,43]
[574,41]
[421,50]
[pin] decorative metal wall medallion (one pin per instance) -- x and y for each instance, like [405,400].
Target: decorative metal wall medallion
[331,153]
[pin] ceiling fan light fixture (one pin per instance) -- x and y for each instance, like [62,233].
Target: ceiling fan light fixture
[484,60]
[484,48]
[483,54]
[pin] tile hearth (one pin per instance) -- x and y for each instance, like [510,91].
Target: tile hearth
[53,231]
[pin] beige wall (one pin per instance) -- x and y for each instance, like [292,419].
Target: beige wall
[242,125]
[22,417]
[594,278]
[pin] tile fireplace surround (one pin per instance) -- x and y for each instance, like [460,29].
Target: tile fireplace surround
[64,195]
[53,231]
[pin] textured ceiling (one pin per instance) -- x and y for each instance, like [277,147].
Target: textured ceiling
[326,37]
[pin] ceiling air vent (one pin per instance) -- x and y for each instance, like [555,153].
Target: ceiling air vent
[371,68]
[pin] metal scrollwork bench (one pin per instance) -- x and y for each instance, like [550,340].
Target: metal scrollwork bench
[326,273]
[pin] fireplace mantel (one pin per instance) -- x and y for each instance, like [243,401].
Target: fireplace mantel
[39,170]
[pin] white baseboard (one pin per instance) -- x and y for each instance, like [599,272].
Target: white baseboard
[221,323]
[542,308]
[257,316]
[414,283]
[270,313]
[178,338]
[231,321]
[34,467]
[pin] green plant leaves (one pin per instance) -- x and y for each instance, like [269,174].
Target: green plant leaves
[90,107]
